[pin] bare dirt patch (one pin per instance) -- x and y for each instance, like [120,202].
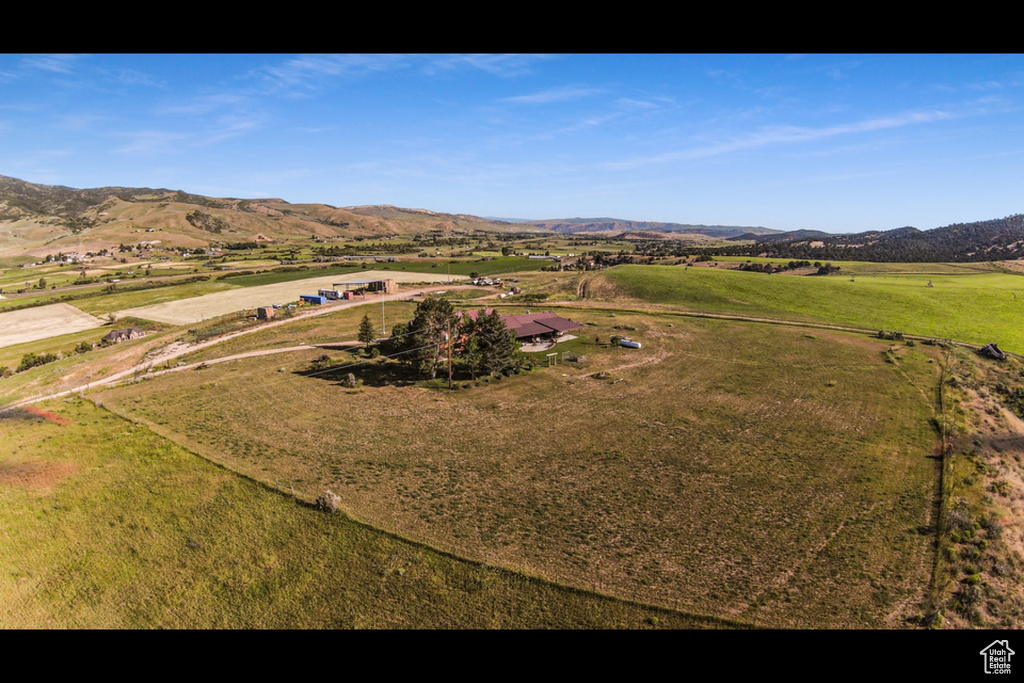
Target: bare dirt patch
[42,322]
[35,474]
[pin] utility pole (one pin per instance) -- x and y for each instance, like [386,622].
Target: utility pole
[383,330]
[449,354]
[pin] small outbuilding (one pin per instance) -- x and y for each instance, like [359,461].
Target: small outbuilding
[383,285]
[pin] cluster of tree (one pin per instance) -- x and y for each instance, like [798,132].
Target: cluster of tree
[437,337]
[31,360]
[439,240]
[761,267]
[243,246]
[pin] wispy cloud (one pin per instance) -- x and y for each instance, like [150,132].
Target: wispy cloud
[151,142]
[562,94]
[199,106]
[56,63]
[230,127]
[304,70]
[782,135]
[505,65]
[131,77]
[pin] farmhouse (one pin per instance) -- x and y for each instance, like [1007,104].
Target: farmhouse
[540,326]
[118,336]
[535,327]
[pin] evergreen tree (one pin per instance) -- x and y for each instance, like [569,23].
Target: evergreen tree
[433,320]
[367,334]
[494,345]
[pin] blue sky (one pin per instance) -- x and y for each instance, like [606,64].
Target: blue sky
[840,143]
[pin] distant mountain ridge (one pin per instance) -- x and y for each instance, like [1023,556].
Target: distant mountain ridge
[573,226]
[999,239]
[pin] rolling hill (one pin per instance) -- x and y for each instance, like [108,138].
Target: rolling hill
[47,218]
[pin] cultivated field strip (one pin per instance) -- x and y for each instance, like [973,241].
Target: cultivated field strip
[42,322]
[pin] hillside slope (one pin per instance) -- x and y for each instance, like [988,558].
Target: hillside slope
[48,218]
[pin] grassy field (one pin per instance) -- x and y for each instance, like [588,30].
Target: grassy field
[976,308]
[875,268]
[104,524]
[749,472]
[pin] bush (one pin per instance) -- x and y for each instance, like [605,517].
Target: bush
[959,518]
[329,502]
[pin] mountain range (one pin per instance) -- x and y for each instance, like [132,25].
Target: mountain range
[38,219]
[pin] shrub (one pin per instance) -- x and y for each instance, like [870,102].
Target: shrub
[329,502]
[350,381]
[959,517]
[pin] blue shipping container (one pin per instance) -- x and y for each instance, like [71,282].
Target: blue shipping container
[314,299]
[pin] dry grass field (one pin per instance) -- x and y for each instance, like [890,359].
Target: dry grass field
[42,322]
[752,472]
[193,310]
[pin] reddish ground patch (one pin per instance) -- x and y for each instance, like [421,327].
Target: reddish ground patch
[35,474]
[47,415]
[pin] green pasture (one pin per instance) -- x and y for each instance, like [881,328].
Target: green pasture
[104,524]
[975,308]
[870,267]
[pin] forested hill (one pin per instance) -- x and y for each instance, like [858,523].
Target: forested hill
[993,240]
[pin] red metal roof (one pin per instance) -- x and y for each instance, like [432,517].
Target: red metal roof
[538,323]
